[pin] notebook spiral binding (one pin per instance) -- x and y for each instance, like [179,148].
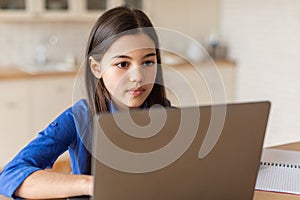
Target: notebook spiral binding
[280,165]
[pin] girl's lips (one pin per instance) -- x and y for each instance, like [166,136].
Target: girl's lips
[135,92]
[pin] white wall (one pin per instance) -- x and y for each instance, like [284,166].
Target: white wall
[195,18]
[264,38]
[19,41]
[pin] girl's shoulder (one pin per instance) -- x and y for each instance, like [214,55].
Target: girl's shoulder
[80,110]
[81,114]
[80,105]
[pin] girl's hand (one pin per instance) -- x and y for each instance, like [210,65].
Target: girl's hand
[90,185]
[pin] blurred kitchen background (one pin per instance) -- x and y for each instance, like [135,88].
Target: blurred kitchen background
[254,44]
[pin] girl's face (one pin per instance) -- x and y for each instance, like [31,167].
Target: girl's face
[128,69]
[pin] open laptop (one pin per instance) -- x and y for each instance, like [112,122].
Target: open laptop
[206,152]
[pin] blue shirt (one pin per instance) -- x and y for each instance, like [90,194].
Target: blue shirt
[66,132]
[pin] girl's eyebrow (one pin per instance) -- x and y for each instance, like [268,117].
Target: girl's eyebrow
[128,57]
[149,55]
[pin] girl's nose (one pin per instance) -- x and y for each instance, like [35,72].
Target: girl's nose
[136,75]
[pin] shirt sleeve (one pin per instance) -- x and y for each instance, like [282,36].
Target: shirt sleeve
[40,153]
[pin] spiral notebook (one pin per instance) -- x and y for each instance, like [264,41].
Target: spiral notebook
[279,171]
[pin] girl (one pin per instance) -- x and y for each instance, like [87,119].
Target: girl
[122,71]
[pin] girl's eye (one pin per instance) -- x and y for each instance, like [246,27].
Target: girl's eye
[122,64]
[148,63]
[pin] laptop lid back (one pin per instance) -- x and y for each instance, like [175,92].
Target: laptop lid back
[174,153]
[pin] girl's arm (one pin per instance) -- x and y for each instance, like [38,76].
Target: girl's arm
[42,152]
[45,184]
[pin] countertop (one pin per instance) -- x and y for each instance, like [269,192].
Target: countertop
[205,63]
[13,72]
[174,60]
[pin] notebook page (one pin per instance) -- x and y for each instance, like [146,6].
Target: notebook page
[279,171]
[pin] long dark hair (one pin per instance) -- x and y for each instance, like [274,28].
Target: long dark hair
[109,27]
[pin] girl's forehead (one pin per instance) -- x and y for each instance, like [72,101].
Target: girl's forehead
[130,43]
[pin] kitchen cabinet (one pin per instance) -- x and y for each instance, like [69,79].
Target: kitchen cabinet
[14,118]
[27,106]
[33,10]
[59,10]
[186,86]
[91,9]
[50,97]
[15,9]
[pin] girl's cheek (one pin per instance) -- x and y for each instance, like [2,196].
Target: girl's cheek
[151,74]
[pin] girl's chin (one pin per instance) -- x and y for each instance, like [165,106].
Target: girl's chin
[130,104]
[135,103]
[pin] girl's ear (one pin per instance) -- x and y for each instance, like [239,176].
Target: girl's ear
[95,67]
